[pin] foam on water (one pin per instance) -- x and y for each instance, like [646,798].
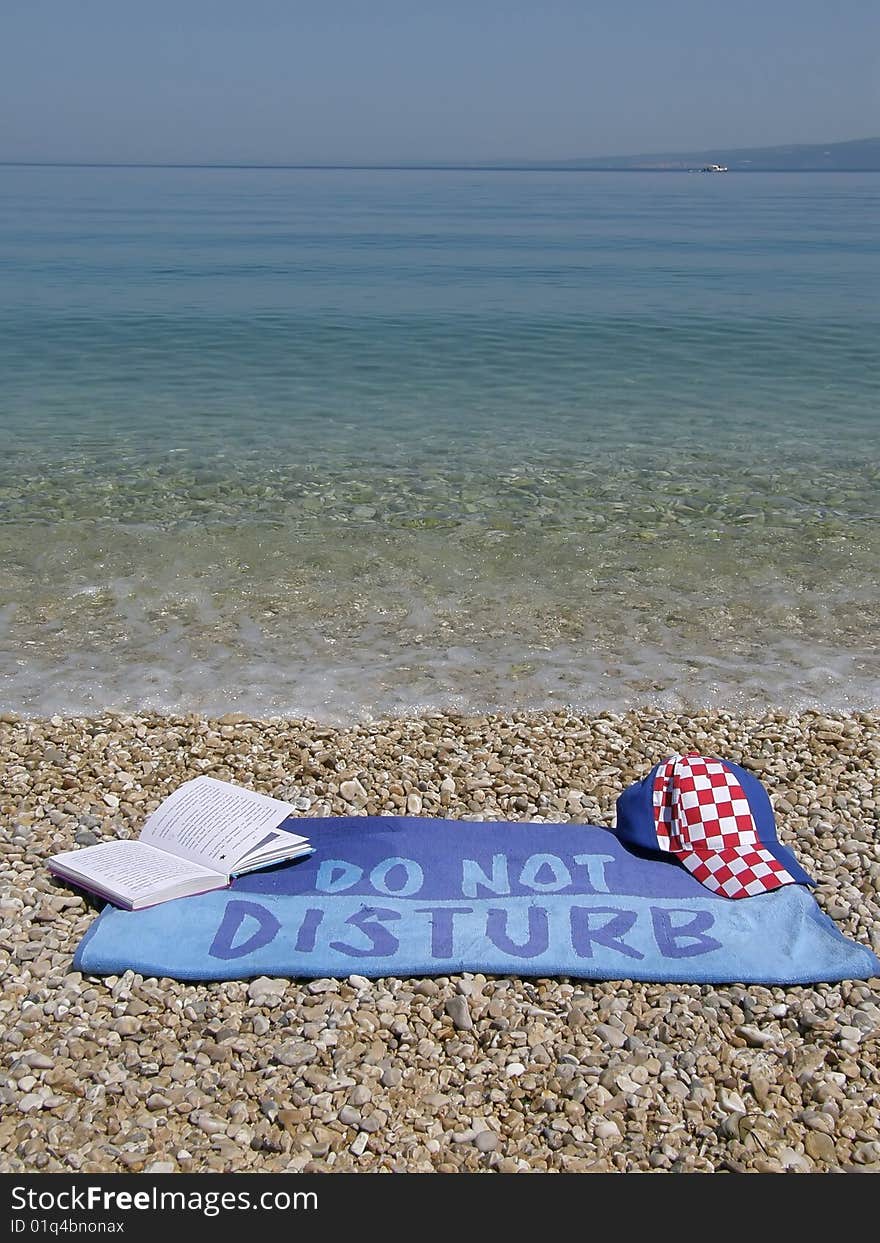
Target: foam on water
[276,619]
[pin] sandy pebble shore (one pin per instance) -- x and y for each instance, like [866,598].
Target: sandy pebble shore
[467,1073]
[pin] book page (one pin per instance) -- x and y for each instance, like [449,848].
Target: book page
[214,823]
[129,870]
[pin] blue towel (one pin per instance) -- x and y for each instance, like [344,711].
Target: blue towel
[387,896]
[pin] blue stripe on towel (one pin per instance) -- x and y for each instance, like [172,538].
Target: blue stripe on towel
[404,896]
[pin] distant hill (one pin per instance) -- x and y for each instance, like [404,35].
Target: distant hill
[858,155]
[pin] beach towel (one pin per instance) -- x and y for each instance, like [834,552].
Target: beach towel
[389,896]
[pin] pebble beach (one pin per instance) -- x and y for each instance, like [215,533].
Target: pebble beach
[438,1074]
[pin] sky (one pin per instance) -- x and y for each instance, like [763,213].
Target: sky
[340,81]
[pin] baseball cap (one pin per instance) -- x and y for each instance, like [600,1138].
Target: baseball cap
[716,819]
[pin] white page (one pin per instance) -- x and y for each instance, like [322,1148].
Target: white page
[131,870]
[215,823]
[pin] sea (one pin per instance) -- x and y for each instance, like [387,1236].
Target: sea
[347,443]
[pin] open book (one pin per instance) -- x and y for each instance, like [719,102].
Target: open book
[201,836]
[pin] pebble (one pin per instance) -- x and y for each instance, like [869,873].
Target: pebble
[867,1153]
[821,1147]
[852,1034]
[760,1084]
[353,791]
[731,1102]
[38,1061]
[455,1074]
[322,986]
[266,991]
[754,1037]
[792,1160]
[610,1035]
[296,1053]
[458,1011]
[210,1126]
[359,1145]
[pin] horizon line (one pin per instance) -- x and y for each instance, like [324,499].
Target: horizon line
[538,166]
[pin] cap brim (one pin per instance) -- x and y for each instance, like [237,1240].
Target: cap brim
[742,871]
[790,863]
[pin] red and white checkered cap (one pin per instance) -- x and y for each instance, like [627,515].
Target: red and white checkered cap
[703,817]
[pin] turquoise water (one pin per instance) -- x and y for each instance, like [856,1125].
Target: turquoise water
[342,442]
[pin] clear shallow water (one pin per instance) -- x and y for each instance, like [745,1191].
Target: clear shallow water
[343,442]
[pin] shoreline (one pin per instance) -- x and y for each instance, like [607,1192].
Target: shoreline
[143,1074]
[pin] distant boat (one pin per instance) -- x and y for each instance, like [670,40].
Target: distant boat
[714,168]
